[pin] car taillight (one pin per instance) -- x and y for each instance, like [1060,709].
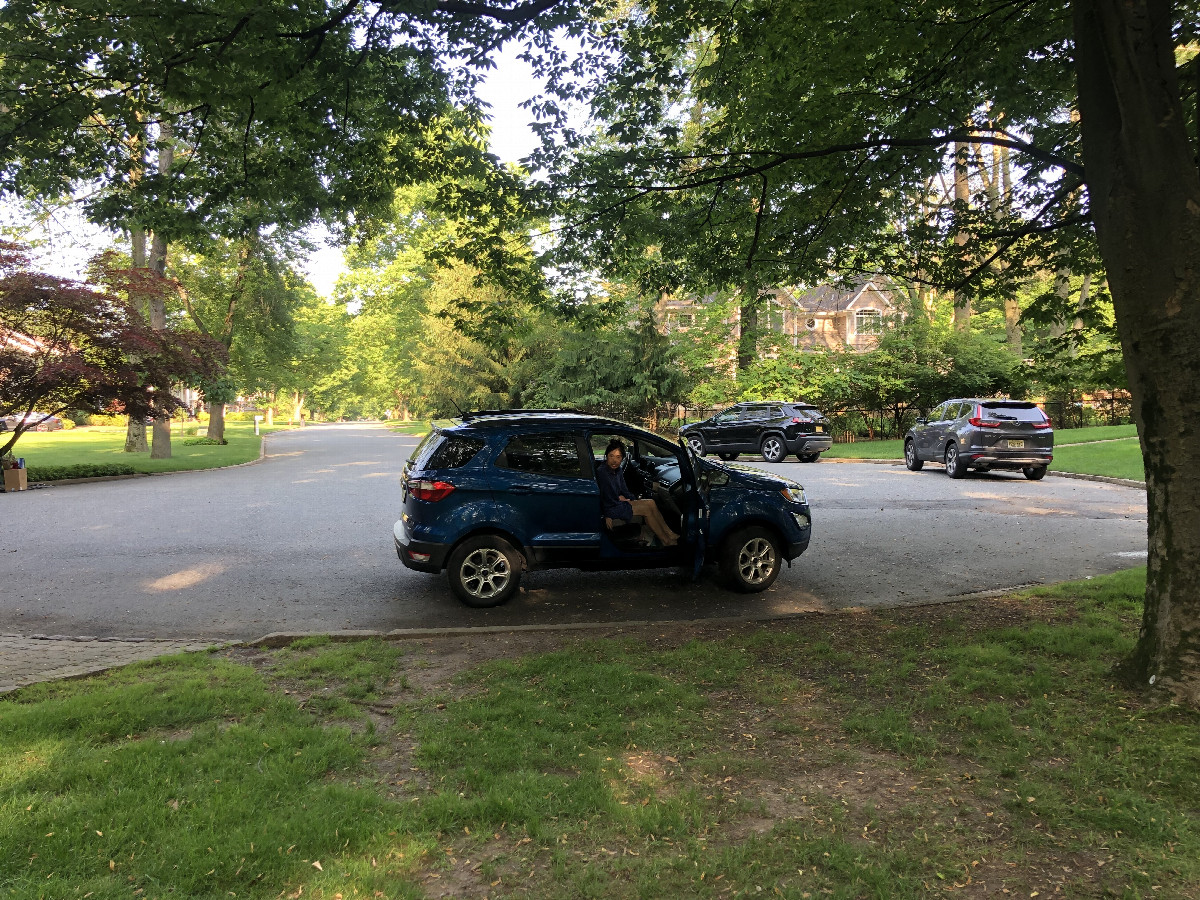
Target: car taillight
[1045,424]
[795,421]
[977,419]
[431,491]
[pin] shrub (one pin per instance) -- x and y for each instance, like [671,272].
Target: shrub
[121,421]
[81,470]
[204,442]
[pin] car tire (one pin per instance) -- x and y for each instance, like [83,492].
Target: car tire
[954,463]
[773,448]
[1034,473]
[912,462]
[728,457]
[484,571]
[808,457]
[697,444]
[750,560]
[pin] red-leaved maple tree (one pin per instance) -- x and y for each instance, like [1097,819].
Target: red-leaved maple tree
[68,345]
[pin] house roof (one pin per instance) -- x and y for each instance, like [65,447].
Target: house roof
[829,298]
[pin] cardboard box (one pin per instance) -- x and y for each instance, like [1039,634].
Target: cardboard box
[16,480]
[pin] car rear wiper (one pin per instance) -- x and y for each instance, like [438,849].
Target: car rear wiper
[997,415]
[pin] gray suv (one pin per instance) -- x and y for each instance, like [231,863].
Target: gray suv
[982,435]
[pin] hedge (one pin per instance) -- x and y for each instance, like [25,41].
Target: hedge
[81,470]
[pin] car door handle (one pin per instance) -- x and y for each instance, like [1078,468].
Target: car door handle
[519,489]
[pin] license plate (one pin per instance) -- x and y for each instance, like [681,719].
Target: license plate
[820,428]
[1016,445]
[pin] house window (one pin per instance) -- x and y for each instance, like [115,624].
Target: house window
[686,320]
[868,321]
[810,323]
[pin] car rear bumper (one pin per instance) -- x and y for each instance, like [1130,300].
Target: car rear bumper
[810,443]
[419,555]
[1010,461]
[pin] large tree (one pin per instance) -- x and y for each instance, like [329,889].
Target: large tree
[181,123]
[837,113]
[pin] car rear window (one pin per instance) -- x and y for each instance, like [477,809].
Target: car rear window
[455,452]
[444,451]
[808,413]
[1013,412]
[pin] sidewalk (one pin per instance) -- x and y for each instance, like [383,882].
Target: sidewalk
[28,659]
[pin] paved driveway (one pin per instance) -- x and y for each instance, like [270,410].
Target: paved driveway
[302,542]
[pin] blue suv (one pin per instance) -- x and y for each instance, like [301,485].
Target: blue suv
[504,491]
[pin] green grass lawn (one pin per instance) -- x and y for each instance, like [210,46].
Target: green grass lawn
[983,746]
[1116,459]
[99,445]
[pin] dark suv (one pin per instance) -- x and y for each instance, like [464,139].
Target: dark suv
[982,435]
[772,428]
[508,490]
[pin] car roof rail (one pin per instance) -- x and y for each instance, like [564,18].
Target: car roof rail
[481,413]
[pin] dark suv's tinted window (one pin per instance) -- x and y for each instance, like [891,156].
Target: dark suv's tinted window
[1018,412]
[454,452]
[545,454]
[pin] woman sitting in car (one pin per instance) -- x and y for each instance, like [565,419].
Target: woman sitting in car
[617,502]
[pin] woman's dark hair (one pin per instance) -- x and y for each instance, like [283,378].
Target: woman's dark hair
[614,444]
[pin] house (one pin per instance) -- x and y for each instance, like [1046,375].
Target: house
[825,316]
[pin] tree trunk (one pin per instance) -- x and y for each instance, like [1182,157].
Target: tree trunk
[216,421]
[962,199]
[135,430]
[298,407]
[1145,196]
[747,351]
[270,420]
[160,447]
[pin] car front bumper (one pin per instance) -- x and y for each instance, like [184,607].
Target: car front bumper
[419,555]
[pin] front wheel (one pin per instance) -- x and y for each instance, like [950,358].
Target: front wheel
[484,571]
[697,444]
[1035,473]
[954,463]
[728,457]
[773,449]
[913,462]
[750,560]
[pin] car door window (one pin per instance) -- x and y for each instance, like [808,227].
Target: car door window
[543,454]
[936,415]
[730,415]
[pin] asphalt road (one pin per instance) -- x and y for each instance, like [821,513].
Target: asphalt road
[303,542]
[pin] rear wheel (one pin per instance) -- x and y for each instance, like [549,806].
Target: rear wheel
[954,463]
[728,457]
[750,560]
[911,460]
[773,448]
[808,457]
[1035,473]
[484,571]
[697,444]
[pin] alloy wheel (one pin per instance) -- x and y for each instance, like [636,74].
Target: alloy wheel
[485,573]
[756,561]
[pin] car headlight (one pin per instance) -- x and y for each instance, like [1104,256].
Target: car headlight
[794,495]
